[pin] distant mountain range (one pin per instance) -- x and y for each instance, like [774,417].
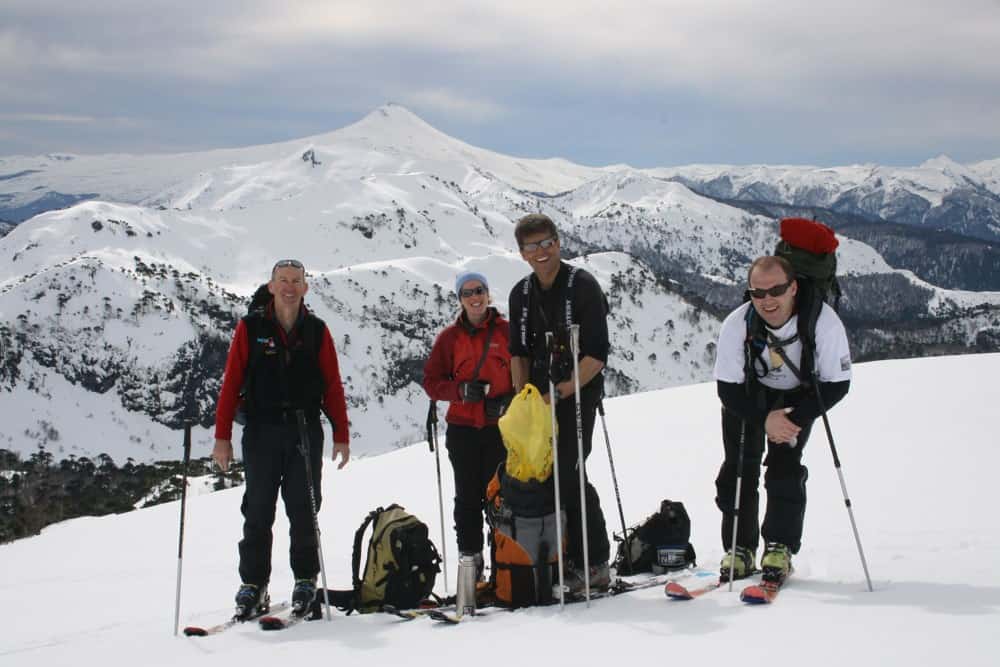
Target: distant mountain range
[116,312]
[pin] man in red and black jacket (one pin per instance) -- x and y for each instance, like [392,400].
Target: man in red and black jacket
[281,360]
[470,367]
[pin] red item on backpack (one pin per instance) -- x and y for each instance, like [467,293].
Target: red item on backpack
[809,235]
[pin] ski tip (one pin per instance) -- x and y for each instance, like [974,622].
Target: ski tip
[677,592]
[271,623]
[444,617]
[756,595]
[195,631]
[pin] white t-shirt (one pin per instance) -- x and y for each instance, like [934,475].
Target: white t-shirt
[833,355]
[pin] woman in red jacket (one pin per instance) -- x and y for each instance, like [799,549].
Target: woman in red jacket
[470,367]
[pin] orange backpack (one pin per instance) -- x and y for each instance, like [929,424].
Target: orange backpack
[523,518]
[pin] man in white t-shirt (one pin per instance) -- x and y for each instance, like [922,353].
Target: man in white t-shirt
[768,389]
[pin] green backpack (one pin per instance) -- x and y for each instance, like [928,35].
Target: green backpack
[402,561]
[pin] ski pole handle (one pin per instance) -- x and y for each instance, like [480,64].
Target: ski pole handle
[431,423]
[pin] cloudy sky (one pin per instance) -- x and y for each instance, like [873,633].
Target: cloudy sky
[645,82]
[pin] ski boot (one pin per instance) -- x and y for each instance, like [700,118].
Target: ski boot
[744,566]
[251,601]
[776,563]
[599,577]
[303,596]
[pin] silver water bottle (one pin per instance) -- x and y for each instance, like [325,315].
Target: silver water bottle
[465,591]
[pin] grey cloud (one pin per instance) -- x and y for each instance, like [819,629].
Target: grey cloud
[192,75]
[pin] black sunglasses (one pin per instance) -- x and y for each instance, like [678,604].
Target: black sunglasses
[776,291]
[477,291]
[544,243]
[294,263]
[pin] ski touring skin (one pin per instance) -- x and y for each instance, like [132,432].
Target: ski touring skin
[199,631]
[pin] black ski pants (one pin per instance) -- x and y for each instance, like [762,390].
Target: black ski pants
[784,481]
[475,454]
[569,480]
[272,463]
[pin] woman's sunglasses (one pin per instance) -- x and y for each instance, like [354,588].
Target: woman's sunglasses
[474,291]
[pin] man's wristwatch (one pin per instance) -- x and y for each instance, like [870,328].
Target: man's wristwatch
[558,394]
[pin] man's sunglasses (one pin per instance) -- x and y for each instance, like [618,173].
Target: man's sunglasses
[476,291]
[776,291]
[281,263]
[544,243]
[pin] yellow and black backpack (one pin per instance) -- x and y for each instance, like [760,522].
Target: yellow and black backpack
[401,566]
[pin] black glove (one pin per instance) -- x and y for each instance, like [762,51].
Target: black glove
[561,368]
[473,392]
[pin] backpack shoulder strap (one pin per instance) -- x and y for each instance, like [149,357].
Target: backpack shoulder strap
[525,309]
[810,304]
[569,295]
[359,536]
[256,326]
[754,364]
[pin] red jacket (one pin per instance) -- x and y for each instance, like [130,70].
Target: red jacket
[453,358]
[334,402]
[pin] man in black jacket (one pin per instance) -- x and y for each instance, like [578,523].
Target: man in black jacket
[551,298]
[765,396]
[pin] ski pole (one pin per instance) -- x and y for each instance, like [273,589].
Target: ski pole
[304,451]
[736,501]
[840,474]
[614,480]
[574,340]
[555,473]
[180,539]
[432,436]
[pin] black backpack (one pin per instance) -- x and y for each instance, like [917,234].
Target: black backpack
[258,302]
[659,544]
[811,248]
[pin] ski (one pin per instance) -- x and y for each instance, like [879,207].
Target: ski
[442,616]
[272,622]
[675,590]
[763,593]
[411,614]
[198,631]
[766,591]
[680,590]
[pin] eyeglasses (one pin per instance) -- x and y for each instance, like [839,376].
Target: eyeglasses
[776,291]
[294,263]
[544,243]
[477,291]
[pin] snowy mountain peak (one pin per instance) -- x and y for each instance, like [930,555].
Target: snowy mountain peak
[947,166]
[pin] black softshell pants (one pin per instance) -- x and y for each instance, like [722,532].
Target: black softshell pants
[569,480]
[272,463]
[475,454]
[784,481]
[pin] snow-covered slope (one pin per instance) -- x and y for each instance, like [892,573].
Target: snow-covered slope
[101,590]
